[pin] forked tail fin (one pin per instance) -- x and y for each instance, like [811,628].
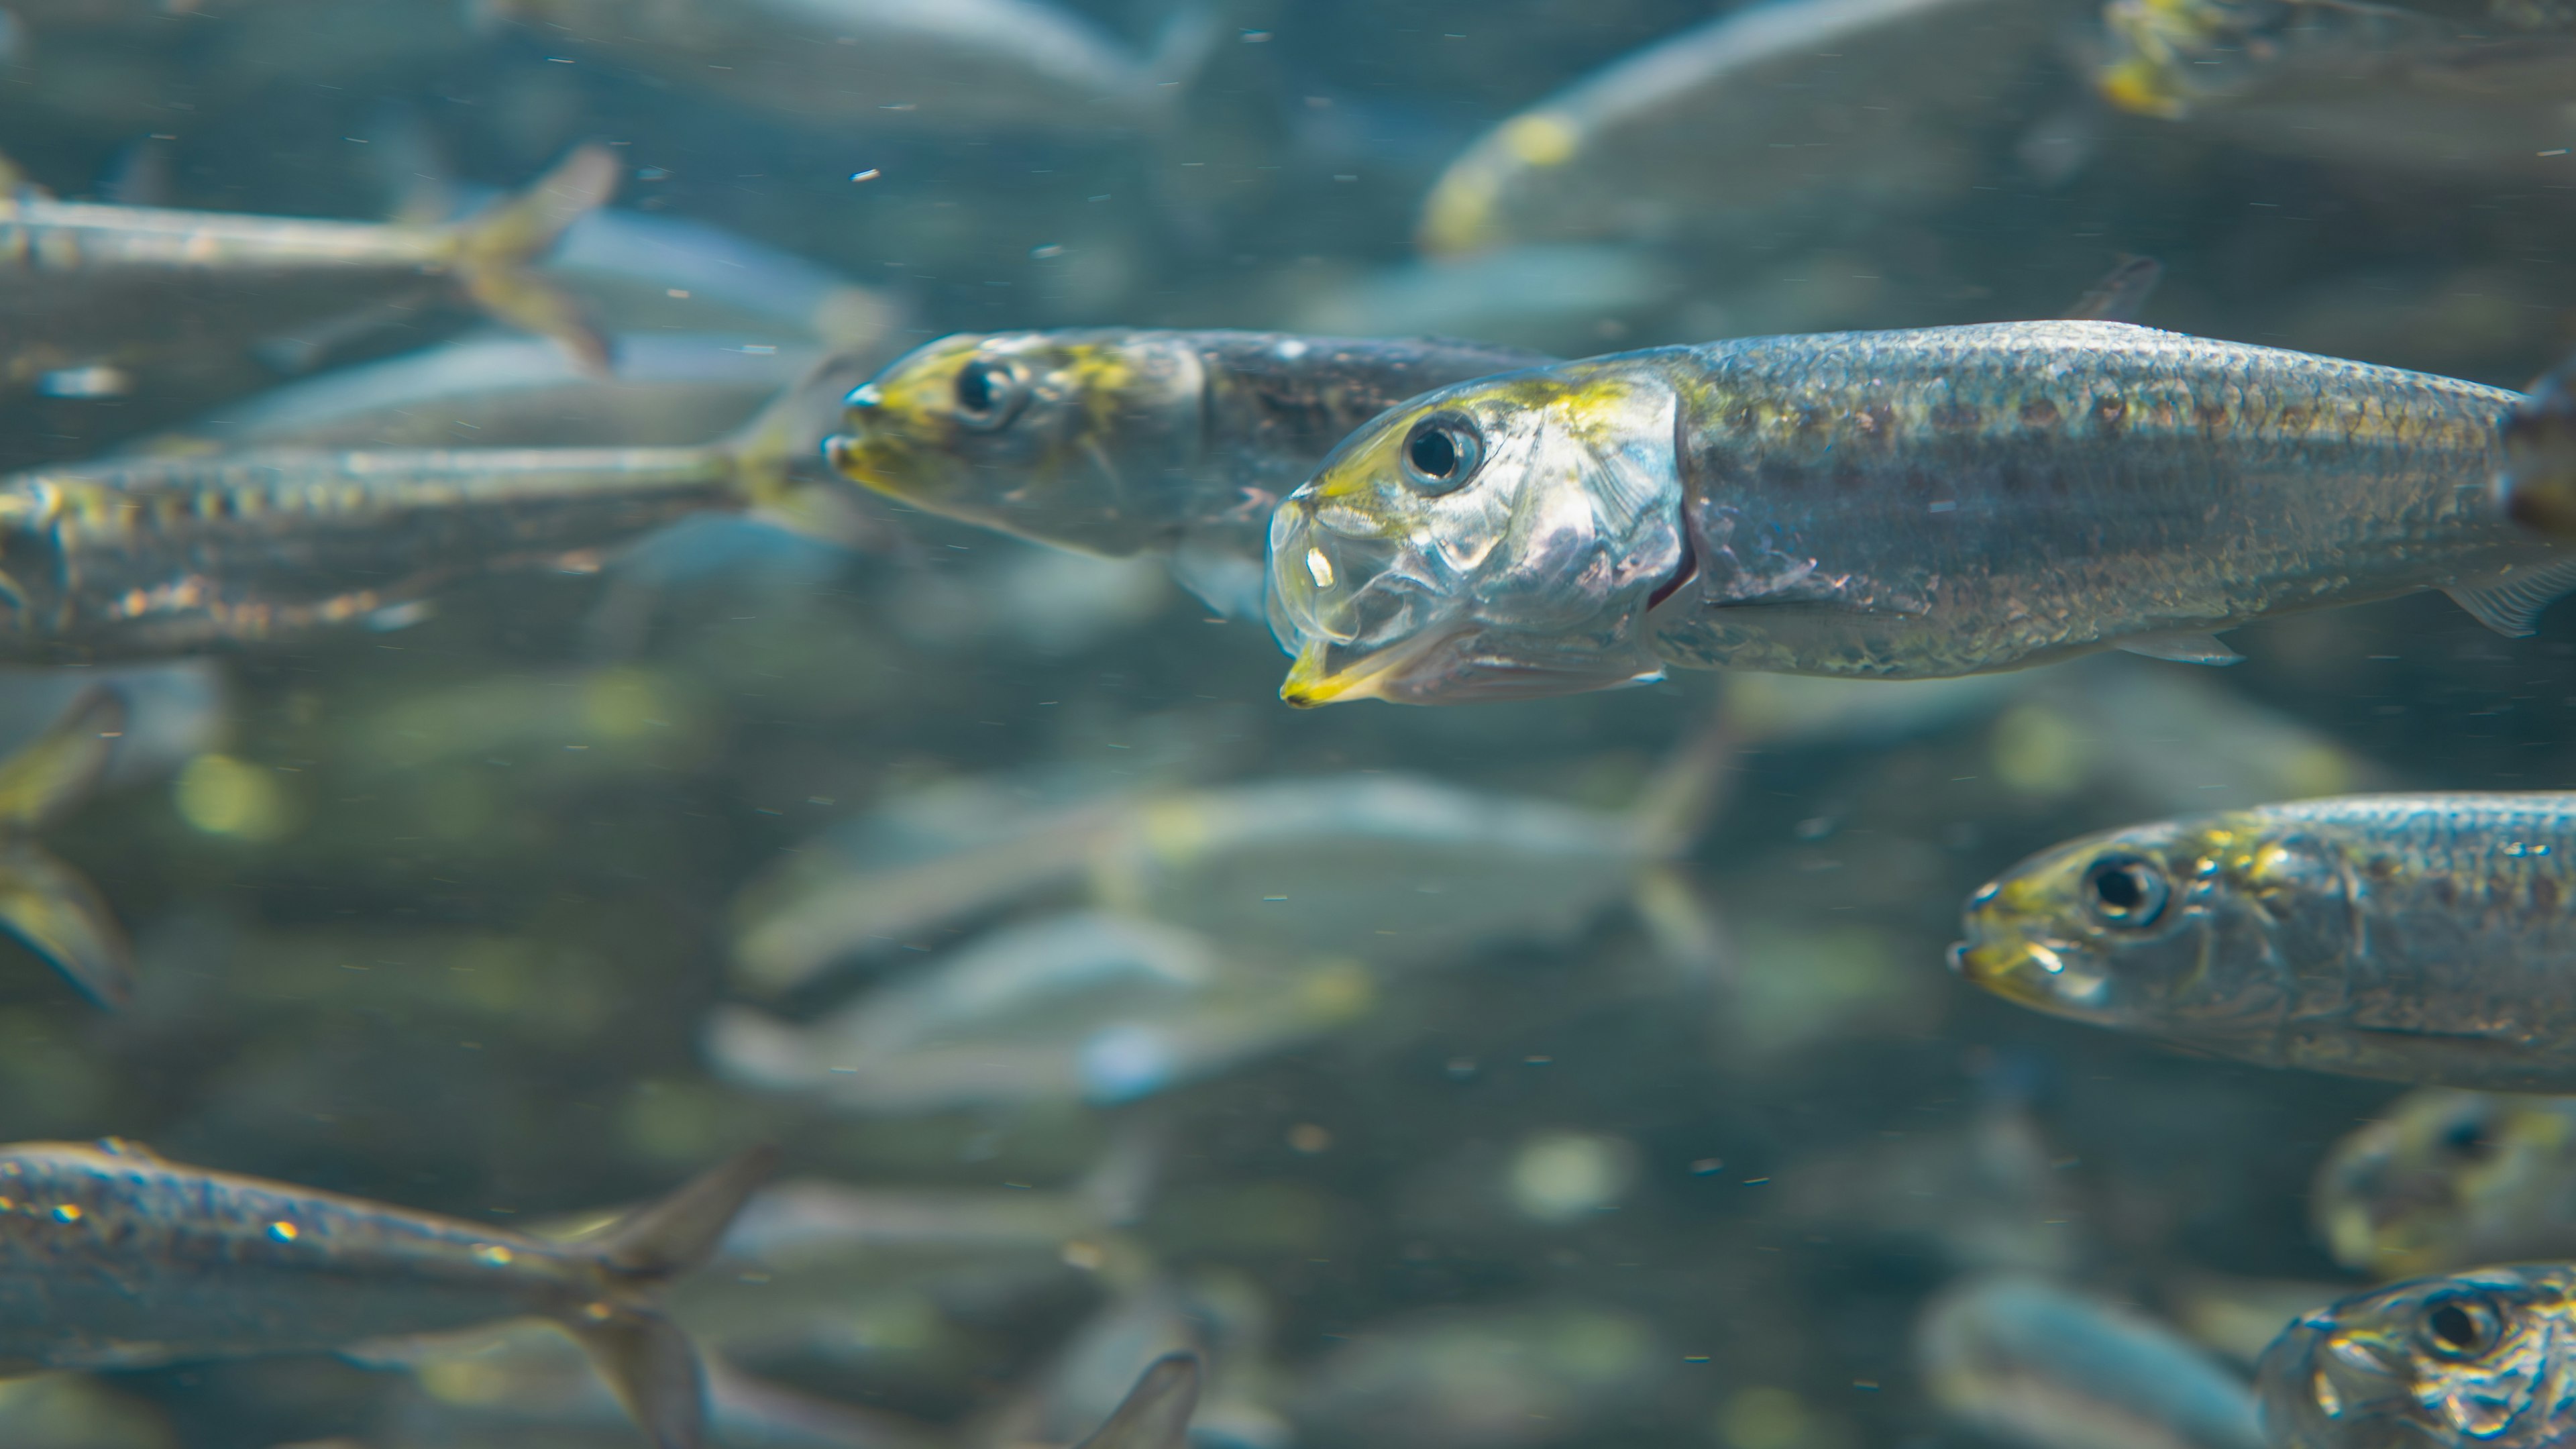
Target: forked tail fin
[789,432]
[496,246]
[46,904]
[643,1355]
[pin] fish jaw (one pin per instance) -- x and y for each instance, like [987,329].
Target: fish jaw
[2004,954]
[2324,1386]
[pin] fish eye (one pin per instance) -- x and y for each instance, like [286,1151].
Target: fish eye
[1441,453]
[2125,890]
[2460,1327]
[2468,1139]
[990,393]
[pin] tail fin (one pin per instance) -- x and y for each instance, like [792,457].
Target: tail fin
[43,902]
[1680,798]
[642,1355]
[2122,294]
[1156,1413]
[495,246]
[777,458]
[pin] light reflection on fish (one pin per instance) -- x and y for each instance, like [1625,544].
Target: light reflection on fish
[2481,1358]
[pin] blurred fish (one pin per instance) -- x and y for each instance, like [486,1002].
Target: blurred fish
[76,1411]
[2449,1179]
[104,300]
[1396,869]
[637,272]
[2479,1358]
[1890,505]
[2368,85]
[496,391]
[1156,1413]
[1076,1008]
[2537,485]
[1496,1376]
[2239,1317]
[1120,442]
[174,712]
[157,555]
[1776,118]
[1556,297]
[119,1258]
[1979,1197]
[2036,1364]
[46,904]
[2421,938]
[945,65]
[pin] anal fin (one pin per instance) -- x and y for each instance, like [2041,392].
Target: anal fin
[2181,646]
[2511,603]
[655,1372]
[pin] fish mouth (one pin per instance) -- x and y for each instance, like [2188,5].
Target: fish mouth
[1330,673]
[2030,971]
[2335,1389]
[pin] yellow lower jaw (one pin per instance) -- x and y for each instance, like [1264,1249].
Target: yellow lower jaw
[1312,682]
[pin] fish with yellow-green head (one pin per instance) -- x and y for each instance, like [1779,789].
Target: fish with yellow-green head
[2446,1179]
[1122,441]
[1910,504]
[2415,937]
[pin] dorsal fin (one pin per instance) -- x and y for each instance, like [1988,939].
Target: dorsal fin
[2121,295]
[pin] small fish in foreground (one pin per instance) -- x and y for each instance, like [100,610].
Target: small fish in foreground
[88,292]
[1120,442]
[2482,1358]
[2033,1363]
[2419,938]
[145,556]
[1945,501]
[2447,1179]
[118,1258]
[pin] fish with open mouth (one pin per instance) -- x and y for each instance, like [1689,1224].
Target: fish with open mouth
[2485,1357]
[1892,505]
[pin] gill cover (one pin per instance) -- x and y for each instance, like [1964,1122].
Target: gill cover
[1498,539]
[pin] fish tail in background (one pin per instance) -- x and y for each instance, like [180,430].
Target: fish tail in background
[2121,294]
[43,902]
[643,1355]
[1156,1413]
[811,500]
[495,246]
[1688,790]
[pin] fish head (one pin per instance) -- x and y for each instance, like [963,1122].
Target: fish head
[1499,539]
[2191,929]
[2484,1357]
[1082,439]
[2441,1178]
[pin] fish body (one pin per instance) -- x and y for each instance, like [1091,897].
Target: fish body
[1912,504]
[119,294]
[2421,938]
[917,64]
[2484,1357]
[2447,1179]
[2033,1363]
[1119,441]
[116,1257]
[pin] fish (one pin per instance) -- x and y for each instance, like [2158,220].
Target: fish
[2446,1179]
[2035,1363]
[2412,937]
[88,292]
[49,907]
[148,556]
[1814,117]
[1123,442]
[1156,1412]
[119,1258]
[1511,1374]
[2475,1358]
[934,65]
[2536,487]
[2379,87]
[1890,505]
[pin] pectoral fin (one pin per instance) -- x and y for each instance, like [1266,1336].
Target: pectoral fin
[2511,604]
[2182,647]
[654,1370]
[1156,1413]
[59,916]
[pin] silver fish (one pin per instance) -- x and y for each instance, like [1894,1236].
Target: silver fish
[2482,1358]
[2422,938]
[1885,504]
[2044,1366]
[116,1257]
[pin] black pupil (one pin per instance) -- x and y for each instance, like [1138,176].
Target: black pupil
[1435,453]
[2455,1328]
[2120,889]
[975,389]
[2468,1139]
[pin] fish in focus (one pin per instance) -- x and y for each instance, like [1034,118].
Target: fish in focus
[2418,938]
[44,903]
[935,65]
[1773,118]
[2483,1357]
[1913,504]
[2019,1357]
[152,555]
[118,1258]
[2447,1179]
[103,300]
[1119,442]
